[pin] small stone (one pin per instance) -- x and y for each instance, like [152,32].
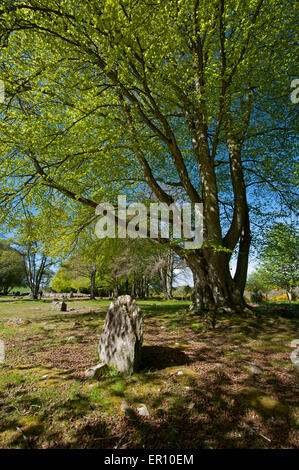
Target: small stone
[222,325]
[142,410]
[59,306]
[49,327]
[124,406]
[128,411]
[71,339]
[17,322]
[96,371]
[254,369]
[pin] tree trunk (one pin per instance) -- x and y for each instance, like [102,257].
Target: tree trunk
[35,292]
[133,287]
[169,274]
[213,284]
[115,289]
[92,282]
[166,274]
[146,287]
[290,295]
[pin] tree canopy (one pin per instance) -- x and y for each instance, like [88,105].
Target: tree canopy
[183,100]
[279,261]
[12,268]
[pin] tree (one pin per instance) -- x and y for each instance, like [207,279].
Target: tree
[12,269]
[166,273]
[256,285]
[186,98]
[183,291]
[132,264]
[30,245]
[279,259]
[67,279]
[89,259]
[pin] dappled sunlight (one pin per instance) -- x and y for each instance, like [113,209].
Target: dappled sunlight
[198,384]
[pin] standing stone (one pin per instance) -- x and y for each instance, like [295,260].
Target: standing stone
[121,338]
[61,306]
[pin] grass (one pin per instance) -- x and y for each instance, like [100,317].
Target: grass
[195,382]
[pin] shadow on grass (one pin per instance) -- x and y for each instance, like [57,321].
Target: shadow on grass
[159,309]
[209,413]
[160,357]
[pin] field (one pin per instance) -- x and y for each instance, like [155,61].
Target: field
[229,387]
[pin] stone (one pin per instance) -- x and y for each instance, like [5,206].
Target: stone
[128,411]
[142,410]
[49,327]
[253,368]
[17,322]
[124,406]
[121,338]
[96,371]
[60,306]
[71,339]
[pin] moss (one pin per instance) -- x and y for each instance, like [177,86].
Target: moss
[266,406]
[31,425]
[59,405]
[118,388]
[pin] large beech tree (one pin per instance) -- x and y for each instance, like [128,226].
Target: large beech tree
[187,98]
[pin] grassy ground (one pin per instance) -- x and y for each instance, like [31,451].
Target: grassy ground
[198,384]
